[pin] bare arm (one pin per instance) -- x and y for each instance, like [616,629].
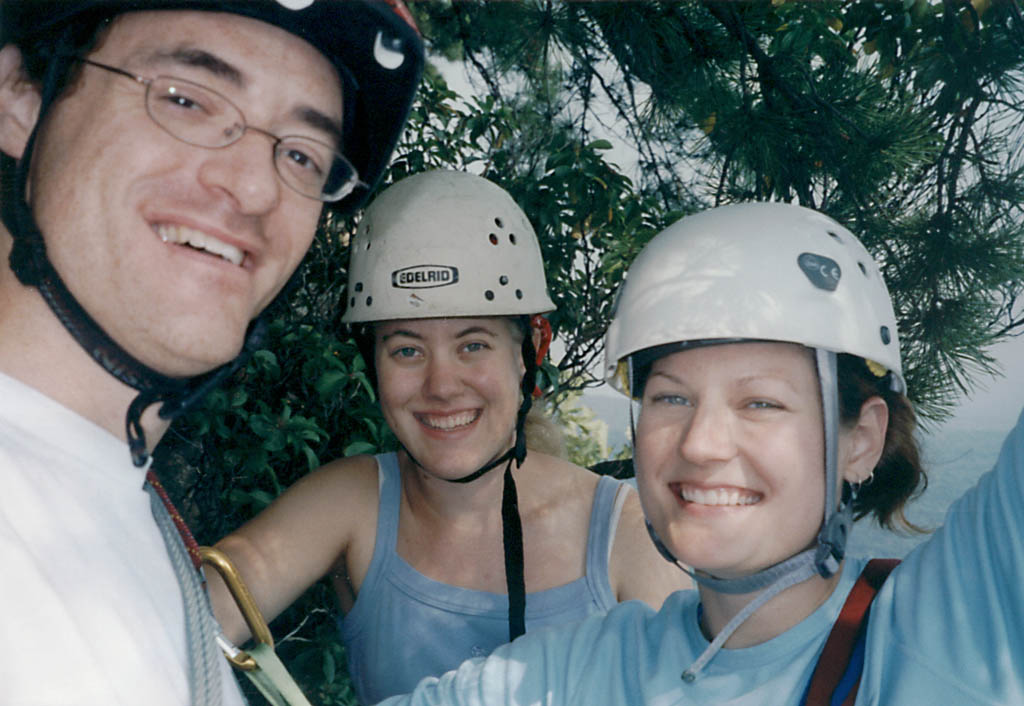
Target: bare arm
[297,540]
[637,570]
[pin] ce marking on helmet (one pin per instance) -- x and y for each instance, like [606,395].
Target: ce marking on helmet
[823,272]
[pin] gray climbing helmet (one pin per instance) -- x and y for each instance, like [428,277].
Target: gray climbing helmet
[754,271]
[443,244]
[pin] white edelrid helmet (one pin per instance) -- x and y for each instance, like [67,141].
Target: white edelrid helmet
[444,244]
[760,271]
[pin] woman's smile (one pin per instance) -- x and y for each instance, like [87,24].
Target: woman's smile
[715,496]
[451,421]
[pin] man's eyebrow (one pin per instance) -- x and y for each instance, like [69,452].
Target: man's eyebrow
[317,120]
[200,59]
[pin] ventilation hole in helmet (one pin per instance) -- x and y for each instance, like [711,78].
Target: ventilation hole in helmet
[498,222]
[352,301]
[493,238]
[884,332]
[369,301]
[368,244]
[835,236]
[489,295]
[503,280]
[512,238]
[519,294]
[359,286]
[863,270]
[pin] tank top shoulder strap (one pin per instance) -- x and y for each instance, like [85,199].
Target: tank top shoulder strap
[389,491]
[604,519]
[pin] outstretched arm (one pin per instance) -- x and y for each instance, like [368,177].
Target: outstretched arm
[954,607]
[299,538]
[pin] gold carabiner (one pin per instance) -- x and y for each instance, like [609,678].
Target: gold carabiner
[246,604]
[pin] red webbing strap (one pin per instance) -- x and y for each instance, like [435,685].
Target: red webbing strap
[836,655]
[186,534]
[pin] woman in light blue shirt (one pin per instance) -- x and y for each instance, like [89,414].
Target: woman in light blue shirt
[744,332]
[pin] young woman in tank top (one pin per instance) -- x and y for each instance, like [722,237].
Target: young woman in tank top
[469,534]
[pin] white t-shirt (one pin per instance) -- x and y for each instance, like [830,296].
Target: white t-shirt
[93,612]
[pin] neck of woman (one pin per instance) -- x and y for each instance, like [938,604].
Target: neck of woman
[772,619]
[433,496]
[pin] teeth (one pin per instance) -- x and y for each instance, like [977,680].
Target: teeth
[449,421]
[718,496]
[201,241]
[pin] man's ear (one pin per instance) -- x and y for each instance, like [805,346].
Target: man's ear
[19,103]
[865,441]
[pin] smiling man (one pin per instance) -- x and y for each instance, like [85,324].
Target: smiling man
[165,165]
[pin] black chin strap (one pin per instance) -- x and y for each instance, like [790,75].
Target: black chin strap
[512,540]
[511,532]
[186,395]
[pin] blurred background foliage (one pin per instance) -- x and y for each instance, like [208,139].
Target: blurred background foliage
[902,120]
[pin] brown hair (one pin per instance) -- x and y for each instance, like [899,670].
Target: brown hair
[899,475]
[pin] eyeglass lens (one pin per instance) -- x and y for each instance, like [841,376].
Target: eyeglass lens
[202,117]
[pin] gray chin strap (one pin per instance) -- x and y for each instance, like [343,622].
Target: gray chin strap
[824,559]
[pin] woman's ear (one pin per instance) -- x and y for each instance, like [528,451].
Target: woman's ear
[19,103]
[865,441]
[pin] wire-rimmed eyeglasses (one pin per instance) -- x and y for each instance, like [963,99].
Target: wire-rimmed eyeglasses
[200,116]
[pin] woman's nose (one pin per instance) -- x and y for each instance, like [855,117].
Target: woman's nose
[708,437]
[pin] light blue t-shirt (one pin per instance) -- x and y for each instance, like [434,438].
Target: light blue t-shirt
[946,628]
[405,626]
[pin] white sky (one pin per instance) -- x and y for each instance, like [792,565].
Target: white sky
[996,403]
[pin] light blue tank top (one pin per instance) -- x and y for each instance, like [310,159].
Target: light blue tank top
[405,626]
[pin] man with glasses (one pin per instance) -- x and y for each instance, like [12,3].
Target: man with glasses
[165,164]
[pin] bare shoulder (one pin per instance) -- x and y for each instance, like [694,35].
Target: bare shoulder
[637,570]
[331,502]
[353,475]
[559,482]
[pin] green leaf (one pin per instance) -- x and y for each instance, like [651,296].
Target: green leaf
[329,383]
[330,667]
[359,447]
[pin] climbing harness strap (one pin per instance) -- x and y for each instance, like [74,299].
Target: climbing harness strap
[200,627]
[272,679]
[836,678]
[202,633]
